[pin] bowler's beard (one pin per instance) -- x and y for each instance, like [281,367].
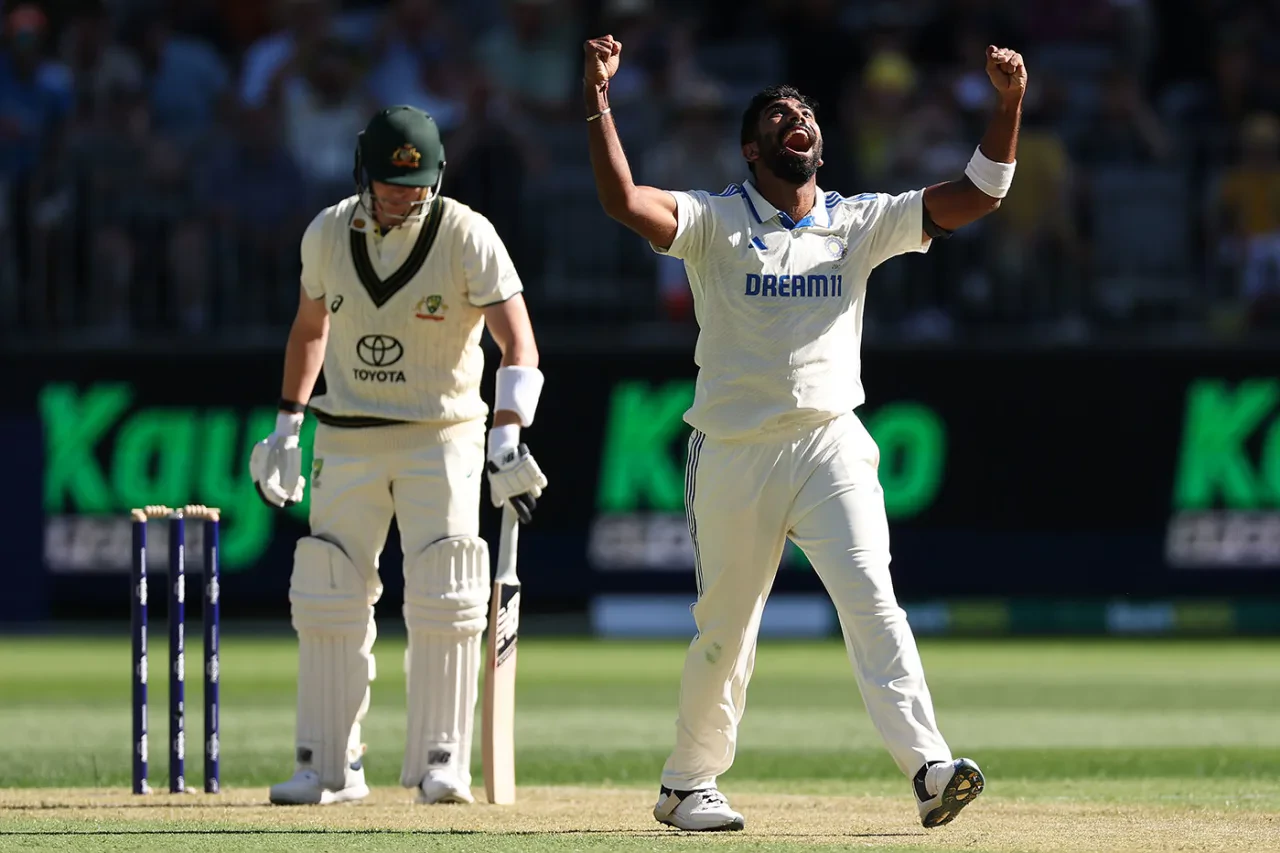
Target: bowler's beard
[789,167]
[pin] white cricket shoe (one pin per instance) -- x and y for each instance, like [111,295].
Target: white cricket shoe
[443,786]
[305,788]
[943,789]
[705,810]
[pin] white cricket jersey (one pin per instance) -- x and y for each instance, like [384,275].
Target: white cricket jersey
[405,312]
[779,304]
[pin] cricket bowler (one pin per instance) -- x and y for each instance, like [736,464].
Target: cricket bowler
[398,283]
[778,269]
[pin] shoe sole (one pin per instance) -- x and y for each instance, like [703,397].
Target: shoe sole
[732,826]
[327,798]
[965,786]
[448,800]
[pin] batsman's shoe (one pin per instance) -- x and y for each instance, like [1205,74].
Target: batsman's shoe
[305,789]
[943,789]
[705,810]
[443,786]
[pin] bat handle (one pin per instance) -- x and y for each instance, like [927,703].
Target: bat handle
[507,546]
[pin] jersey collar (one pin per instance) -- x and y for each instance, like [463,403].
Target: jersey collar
[818,217]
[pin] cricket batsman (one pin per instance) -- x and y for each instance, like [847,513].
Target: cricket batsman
[778,269]
[398,283]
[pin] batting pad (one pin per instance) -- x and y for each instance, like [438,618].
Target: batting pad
[333,615]
[446,596]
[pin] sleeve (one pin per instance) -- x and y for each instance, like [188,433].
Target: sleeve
[894,225]
[313,258]
[694,223]
[490,275]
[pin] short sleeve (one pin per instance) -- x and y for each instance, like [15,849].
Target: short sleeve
[895,224]
[313,258]
[693,226]
[491,277]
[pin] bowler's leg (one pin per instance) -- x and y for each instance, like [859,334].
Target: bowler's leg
[736,522]
[840,524]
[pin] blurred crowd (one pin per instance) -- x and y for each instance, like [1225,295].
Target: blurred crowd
[160,158]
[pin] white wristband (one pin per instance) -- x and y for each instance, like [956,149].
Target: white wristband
[991,177]
[517,389]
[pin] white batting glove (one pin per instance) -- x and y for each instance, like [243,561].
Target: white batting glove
[276,463]
[515,478]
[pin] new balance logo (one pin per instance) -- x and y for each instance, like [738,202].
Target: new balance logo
[507,627]
[509,619]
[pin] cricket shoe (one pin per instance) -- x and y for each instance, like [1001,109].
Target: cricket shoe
[443,786]
[944,788]
[705,810]
[305,788]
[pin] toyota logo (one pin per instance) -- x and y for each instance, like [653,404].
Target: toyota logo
[379,350]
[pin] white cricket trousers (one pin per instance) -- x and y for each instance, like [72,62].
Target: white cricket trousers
[427,478]
[743,499]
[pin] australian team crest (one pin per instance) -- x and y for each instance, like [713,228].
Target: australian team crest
[406,157]
[836,247]
[430,307]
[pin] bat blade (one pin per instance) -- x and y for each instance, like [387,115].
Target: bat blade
[498,736]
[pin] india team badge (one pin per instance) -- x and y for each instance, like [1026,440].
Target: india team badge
[837,248]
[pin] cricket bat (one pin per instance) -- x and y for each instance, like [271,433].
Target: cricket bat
[498,739]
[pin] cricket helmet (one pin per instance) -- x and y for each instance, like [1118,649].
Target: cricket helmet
[400,146]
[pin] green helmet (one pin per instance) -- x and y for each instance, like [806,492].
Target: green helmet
[400,146]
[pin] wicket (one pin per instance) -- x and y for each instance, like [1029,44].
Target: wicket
[177,644]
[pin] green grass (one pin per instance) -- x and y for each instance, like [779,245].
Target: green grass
[1192,725]
[597,711]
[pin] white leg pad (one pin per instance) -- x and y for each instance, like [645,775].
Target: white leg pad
[332,606]
[446,598]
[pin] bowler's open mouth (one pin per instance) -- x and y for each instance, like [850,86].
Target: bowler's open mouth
[798,140]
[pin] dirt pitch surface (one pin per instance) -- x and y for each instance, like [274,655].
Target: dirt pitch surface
[618,819]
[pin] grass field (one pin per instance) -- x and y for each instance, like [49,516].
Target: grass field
[1087,745]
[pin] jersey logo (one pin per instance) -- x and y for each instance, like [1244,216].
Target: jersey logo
[335,305]
[378,351]
[836,247]
[430,308]
[798,285]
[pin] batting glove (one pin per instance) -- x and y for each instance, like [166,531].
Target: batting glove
[515,478]
[276,463]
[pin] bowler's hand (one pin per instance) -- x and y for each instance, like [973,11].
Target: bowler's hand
[1007,72]
[602,58]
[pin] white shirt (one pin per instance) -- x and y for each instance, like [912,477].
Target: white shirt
[779,304]
[412,354]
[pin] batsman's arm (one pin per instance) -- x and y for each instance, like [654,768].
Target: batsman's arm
[648,211]
[304,353]
[509,324]
[954,204]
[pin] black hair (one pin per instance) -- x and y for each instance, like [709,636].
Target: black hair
[762,99]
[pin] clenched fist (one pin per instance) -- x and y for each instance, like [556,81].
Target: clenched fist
[601,63]
[1007,72]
